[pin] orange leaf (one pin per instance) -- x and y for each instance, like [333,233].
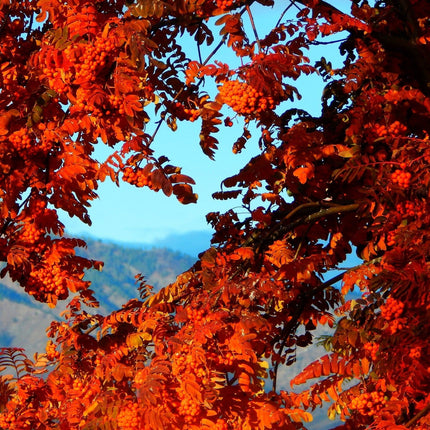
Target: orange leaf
[131,103]
[5,119]
[326,365]
[332,393]
[244,253]
[365,365]
[304,173]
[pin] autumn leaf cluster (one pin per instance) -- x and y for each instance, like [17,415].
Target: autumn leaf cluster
[209,350]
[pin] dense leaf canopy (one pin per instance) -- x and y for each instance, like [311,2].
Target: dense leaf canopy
[206,351]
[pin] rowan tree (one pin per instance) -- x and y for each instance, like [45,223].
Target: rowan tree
[206,351]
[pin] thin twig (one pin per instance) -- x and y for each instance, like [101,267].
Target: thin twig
[214,51]
[254,29]
[199,52]
[292,3]
[289,328]
[30,26]
[321,214]
[316,42]
[280,230]
[418,416]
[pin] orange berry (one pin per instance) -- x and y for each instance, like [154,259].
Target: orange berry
[244,99]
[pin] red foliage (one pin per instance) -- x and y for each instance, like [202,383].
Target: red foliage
[206,351]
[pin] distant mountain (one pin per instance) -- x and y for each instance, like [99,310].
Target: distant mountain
[116,284]
[23,320]
[190,243]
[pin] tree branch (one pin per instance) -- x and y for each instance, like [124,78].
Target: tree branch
[279,230]
[416,54]
[292,3]
[418,416]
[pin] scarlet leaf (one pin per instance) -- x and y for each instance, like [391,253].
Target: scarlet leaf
[184,193]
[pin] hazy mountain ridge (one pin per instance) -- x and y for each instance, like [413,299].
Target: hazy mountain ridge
[116,283]
[191,243]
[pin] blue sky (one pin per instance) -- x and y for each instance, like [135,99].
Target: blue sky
[139,215]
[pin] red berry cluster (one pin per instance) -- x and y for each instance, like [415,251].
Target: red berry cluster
[58,79]
[25,144]
[224,4]
[380,130]
[415,353]
[139,378]
[392,309]
[78,64]
[46,280]
[30,233]
[21,140]
[192,114]
[221,424]
[227,359]
[245,99]
[391,312]
[184,362]
[184,113]
[397,129]
[51,351]
[137,177]
[77,387]
[401,176]
[89,58]
[117,104]
[395,326]
[81,103]
[128,417]
[222,359]
[368,403]
[195,315]
[189,408]
[391,238]
[38,206]
[394,129]
[411,209]
[372,349]
[8,420]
